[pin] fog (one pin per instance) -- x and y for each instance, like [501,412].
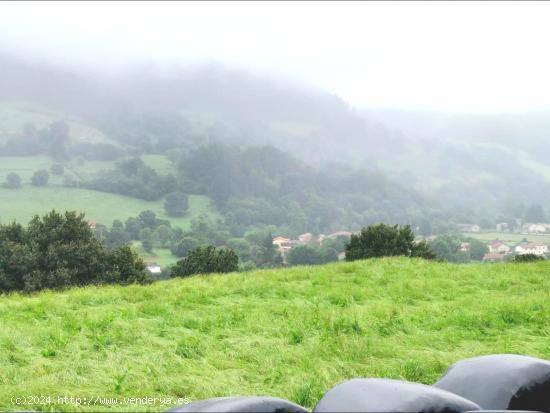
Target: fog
[450,56]
[298,116]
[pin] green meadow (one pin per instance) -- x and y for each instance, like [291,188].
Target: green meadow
[14,115]
[508,237]
[291,333]
[22,204]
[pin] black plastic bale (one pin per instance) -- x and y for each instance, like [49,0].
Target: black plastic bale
[501,382]
[243,404]
[390,396]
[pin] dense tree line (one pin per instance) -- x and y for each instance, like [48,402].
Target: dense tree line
[447,248]
[132,177]
[265,186]
[255,250]
[55,141]
[60,250]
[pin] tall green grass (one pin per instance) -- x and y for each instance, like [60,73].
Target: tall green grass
[292,333]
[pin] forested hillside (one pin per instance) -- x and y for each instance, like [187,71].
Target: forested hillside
[327,166]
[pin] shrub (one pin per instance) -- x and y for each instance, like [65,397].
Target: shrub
[527,258]
[204,260]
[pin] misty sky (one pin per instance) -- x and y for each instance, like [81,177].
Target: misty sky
[456,56]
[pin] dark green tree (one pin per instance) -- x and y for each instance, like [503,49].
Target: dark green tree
[205,260]
[446,247]
[176,204]
[148,219]
[133,226]
[477,249]
[385,241]
[266,253]
[40,177]
[182,247]
[125,267]
[421,249]
[60,250]
[164,235]
[16,257]
[117,236]
[13,181]
[56,138]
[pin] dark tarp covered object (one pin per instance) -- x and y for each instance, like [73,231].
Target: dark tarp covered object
[501,382]
[241,404]
[385,396]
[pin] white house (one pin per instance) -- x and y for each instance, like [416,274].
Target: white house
[468,227]
[532,248]
[464,246]
[153,268]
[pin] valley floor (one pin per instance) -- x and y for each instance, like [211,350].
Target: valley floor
[292,333]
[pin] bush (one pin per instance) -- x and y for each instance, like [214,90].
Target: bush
[40,178]
[385,241]
[527,258]
[13,181]
[205,260]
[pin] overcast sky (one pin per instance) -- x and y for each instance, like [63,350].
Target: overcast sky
[455,56]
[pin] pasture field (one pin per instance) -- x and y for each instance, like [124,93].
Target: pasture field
[25,166]
[508,237]
[14,115]
[161,256]
[23,203]
[291,333]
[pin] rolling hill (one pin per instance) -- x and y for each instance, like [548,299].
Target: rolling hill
[483,166]
[292,333]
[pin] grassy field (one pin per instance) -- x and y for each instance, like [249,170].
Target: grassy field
[508,237]
[14,115]
[161,256]
[21,204]
[291,333]
[25,166]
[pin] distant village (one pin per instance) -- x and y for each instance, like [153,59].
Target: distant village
[498,250]
[286,244]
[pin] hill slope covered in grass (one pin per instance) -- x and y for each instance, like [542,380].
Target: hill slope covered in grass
[292,333]
[21,205]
